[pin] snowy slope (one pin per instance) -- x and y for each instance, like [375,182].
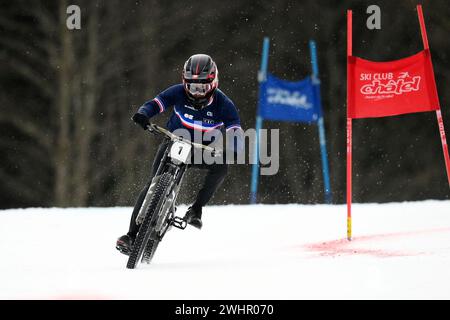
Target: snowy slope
[400,251]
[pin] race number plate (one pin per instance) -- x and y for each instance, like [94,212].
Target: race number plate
[180,151]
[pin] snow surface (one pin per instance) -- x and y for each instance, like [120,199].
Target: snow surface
[399,251]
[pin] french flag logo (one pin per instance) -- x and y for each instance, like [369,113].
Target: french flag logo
[197,125]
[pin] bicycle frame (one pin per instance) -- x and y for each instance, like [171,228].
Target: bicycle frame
[177,168]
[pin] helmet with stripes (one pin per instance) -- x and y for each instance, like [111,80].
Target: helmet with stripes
[200,79]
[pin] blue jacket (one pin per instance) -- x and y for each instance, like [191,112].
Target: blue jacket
[220,113]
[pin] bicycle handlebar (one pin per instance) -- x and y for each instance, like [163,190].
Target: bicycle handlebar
[153,128]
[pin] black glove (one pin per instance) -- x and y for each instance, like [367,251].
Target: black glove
[141,120]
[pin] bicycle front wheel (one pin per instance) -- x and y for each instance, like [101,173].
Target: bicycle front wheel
[148,225]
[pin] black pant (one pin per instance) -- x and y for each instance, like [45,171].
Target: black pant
[214,178]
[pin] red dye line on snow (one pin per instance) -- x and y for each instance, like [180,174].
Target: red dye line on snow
[345,247]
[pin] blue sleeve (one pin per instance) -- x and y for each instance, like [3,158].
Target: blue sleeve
[232,123]
[160,103]
[230,115]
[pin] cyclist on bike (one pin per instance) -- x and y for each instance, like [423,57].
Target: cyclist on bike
[198,105]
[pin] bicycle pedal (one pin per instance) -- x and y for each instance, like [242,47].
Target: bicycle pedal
[123,250]
[179,223]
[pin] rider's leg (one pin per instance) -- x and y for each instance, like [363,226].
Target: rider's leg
[214,178]
[134,228]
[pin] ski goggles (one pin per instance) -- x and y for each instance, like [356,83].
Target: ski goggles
[198,89]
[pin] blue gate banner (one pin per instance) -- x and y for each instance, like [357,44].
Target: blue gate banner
[289,101]
[282,100]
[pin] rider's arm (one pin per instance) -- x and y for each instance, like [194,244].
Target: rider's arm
[232,122]
[150,109]
[160,103]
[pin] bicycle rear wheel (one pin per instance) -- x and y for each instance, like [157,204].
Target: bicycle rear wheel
[149,251]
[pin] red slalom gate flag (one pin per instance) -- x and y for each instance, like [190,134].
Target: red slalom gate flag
[380,89]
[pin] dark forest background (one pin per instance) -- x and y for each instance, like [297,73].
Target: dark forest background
[66,97]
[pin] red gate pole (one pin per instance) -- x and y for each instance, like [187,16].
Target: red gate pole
[349,128]
[438,112]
